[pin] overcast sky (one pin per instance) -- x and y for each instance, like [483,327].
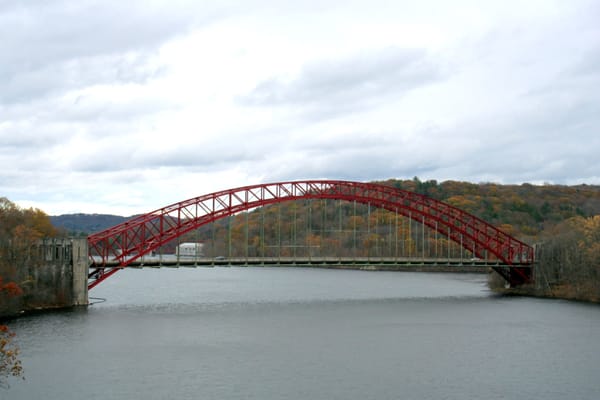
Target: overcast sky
[123,107]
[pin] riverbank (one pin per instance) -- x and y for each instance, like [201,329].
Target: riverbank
[563,292]
[585,292]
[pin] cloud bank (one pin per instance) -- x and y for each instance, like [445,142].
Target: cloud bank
[124,107]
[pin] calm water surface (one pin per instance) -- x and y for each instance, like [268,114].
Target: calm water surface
[286,333]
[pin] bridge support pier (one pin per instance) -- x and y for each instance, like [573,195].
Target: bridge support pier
[515,275]
[80,264]
[53,276]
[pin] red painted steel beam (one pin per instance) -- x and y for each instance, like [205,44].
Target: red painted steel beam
[129,241]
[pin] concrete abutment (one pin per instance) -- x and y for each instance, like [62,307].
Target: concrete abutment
[52,275]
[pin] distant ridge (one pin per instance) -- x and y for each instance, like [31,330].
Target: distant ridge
[78,224]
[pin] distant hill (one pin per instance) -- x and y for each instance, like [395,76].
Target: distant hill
[84,224]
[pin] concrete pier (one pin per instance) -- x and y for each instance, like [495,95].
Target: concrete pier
[52,275]
[80,271]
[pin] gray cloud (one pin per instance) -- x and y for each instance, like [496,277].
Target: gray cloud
[568,109]
[105,156]
[26,85]
[545,142]
[24,135]
[352,155]
[551,143]
[341,86]
[50,47]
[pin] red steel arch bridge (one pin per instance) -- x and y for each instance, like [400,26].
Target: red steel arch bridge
[126,244]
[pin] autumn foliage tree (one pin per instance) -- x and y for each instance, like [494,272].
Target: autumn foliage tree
[569,260]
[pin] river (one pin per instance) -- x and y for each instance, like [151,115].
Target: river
[301,333]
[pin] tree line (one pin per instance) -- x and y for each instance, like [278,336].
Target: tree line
[569,260]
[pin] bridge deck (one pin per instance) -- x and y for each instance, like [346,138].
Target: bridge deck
[174,261]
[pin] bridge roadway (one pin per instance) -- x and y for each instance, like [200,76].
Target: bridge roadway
[366,263]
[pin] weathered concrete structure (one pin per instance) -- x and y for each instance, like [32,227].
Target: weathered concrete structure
[53,275]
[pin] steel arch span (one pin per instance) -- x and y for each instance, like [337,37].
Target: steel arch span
[117,247]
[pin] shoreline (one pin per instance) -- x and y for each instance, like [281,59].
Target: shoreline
[560,295]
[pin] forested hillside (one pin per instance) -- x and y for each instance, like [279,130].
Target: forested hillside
[20,229]
[526,211]
[83,224]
